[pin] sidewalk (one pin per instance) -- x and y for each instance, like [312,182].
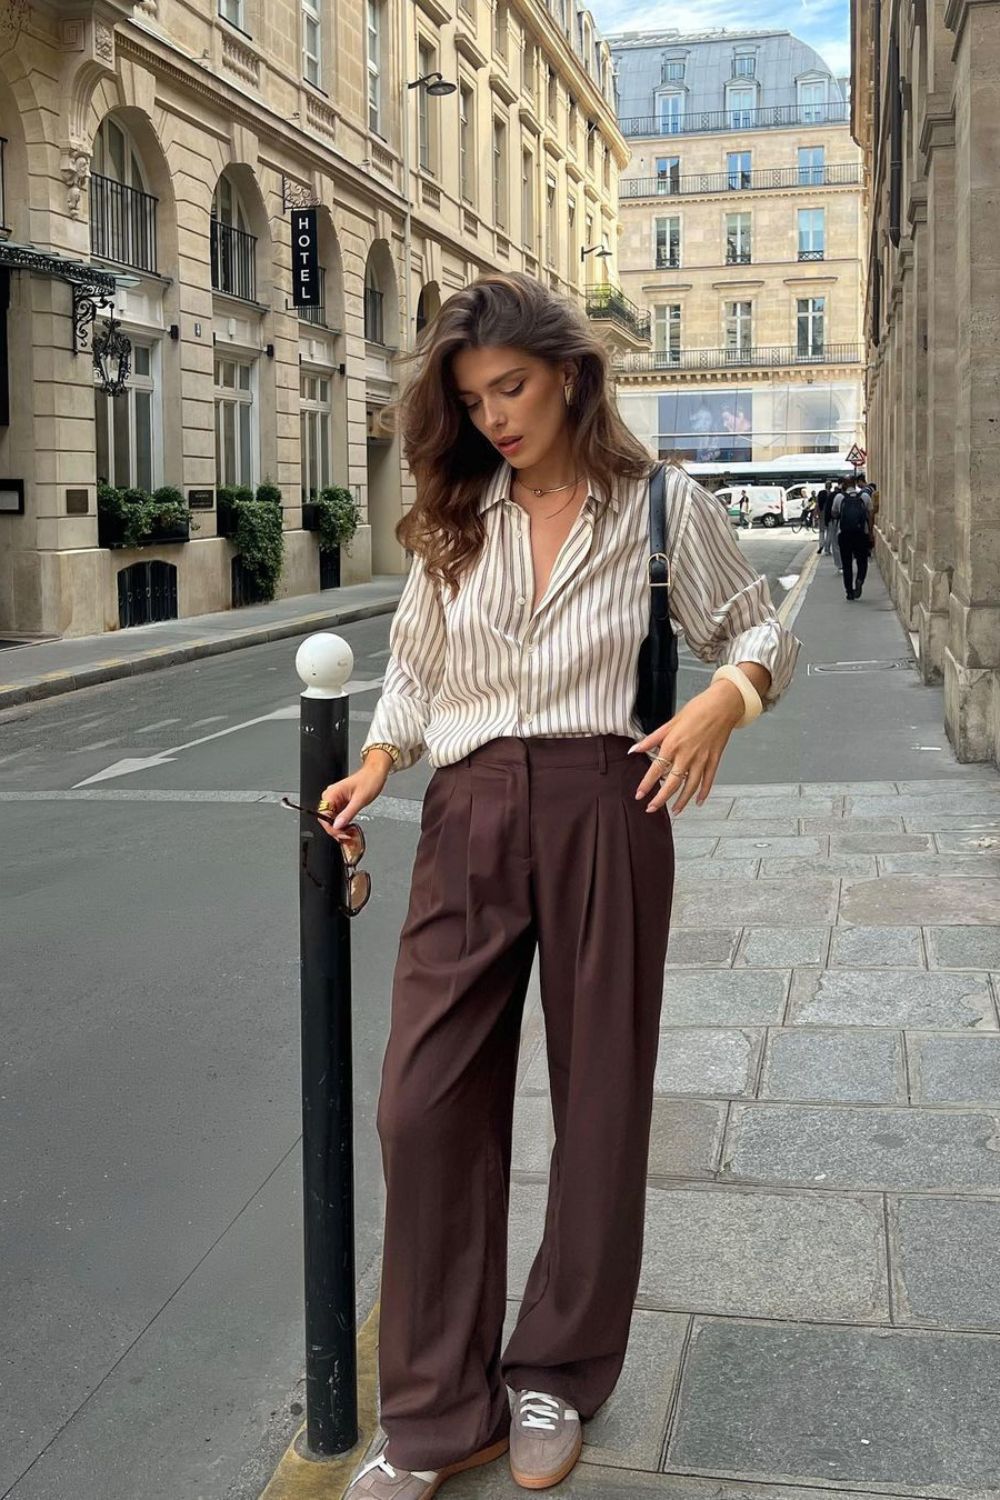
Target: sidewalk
[819,1304]
[51,667]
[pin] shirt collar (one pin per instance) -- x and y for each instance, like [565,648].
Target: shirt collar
[499,485]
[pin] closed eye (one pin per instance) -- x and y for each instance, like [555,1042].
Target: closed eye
[471,405]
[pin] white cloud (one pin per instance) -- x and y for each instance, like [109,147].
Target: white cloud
[824,24]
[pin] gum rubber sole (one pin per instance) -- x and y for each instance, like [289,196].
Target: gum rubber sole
[484,1456]
[528,1482]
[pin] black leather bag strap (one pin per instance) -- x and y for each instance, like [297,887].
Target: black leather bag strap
[659,562]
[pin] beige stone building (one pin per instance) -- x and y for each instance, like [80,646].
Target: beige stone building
[741,234]
[926,98]
[153,157]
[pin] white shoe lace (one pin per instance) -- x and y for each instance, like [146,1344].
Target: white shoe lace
[541,1411]
[385,1467]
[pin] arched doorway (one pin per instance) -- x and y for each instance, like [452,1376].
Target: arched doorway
[385,495]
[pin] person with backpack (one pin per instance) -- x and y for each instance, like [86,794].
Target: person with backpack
[852,513]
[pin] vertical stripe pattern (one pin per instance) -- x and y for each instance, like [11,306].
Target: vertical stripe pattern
[467,670]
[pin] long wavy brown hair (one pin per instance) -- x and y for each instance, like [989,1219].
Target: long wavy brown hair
[450,459]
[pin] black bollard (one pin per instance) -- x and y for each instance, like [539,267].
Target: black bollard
[327,1074]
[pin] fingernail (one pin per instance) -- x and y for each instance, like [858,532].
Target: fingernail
[633,750]
[639,794]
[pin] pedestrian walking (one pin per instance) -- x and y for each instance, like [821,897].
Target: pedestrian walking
[852,513]
[546,826]
[822,502]
[744,503]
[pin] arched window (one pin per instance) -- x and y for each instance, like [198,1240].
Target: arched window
[122,212]
[234,248]
[374,316]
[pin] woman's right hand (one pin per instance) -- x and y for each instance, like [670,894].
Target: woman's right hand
[346,798]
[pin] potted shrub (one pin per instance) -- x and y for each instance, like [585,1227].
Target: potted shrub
[228,498]
[260,541]
[135,518]
[335,518]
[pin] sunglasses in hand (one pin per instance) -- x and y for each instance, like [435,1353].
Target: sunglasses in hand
[351,843]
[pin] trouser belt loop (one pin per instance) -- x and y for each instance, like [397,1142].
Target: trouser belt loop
[602,756]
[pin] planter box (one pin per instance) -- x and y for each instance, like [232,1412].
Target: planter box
[111,531]
[329,569]
[310,516]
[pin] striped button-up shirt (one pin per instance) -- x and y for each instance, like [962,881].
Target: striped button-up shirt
[469,669]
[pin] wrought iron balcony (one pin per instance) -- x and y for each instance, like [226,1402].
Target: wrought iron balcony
[668,262]
[770,117]
[737,257]
[610,302]
[763,356]
[122,223]
[812,255]
[234,261]
[764,179]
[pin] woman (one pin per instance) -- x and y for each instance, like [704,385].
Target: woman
[513,662]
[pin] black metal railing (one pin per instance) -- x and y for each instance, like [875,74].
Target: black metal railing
[610,302]
[812,255]
[234,261]
[774,116]
[374,319]
[668,261]
[315,315]
[122,223]
[3,205]
[763,179]
[721,359]
[737,257]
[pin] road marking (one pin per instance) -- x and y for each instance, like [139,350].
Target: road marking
[212,719]
[161,724]
[131,764]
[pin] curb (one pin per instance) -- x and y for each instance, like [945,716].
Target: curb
[299,1477]
[53,683]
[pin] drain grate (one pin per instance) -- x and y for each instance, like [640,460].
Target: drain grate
[861,666]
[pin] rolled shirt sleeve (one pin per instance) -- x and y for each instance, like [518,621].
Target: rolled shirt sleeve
[723,607]
[414,670]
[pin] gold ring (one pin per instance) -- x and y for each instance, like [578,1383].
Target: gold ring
[661,760]
[323,805]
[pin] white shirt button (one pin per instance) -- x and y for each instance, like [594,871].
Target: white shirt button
[520,598]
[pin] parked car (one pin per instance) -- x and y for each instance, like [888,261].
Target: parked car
[767,503]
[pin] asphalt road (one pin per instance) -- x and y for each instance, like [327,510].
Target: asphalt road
[150,1268]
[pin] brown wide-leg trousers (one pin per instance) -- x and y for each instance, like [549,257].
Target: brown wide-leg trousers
[524,842]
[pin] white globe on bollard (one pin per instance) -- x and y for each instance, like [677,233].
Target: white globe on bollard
[325,663]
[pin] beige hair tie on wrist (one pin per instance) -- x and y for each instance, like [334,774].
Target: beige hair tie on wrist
[753,704]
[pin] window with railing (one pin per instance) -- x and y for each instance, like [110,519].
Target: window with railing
[741,102]
[550,221]
[739,327]
[373,61]
[670,113]
[426,145]
[312,42]
[527,199]
[667,334]
[676,120]
[374,309]
[551,93]
[233,247]
[122,213]
[812,233]
[811,327]
[667,235]
[316,314]
[738,239]
[813,98]
[466,144]
[812,166]
[738,170]
[668,174]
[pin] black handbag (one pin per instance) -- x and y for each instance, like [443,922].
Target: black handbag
[656,688]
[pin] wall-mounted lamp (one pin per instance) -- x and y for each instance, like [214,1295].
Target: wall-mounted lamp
[175,331]
[342,369]
[597,250]
[269,350]
[433,83]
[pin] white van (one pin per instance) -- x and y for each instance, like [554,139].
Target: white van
[767,502]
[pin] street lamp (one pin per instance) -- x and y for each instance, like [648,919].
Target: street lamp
[598,250]
[437,86]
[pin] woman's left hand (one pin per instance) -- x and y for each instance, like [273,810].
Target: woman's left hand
[692,742]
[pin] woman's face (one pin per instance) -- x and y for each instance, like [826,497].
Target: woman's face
[515,399]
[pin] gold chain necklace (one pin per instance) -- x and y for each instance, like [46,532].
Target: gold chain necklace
[571,483]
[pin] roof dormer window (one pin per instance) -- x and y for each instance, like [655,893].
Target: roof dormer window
[672,70]
[745,65]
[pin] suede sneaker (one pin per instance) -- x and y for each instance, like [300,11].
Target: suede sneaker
[381,1480]
[545,1440]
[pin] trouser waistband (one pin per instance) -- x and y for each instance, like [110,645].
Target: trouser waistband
[594,750]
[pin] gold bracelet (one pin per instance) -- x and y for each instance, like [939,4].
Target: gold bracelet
[392,751]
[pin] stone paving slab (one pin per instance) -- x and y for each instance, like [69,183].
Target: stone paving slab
[708,1061]
[982,802]
[711,947]
[954,1069]
[839,867]
[892,997]
[851,1067]
[705,824]
[686,1137]
[920,900]
[966,842]
[871,842]
[767,903]
[946,1258]
[769,1255]
[866,1148]
[877,947]
[963,947]
[788,807]
[628,1431]
[730,998]
[866,1407]
[971,823]
[838,824]
[782,947]
[765,791]
[697,848]
[700,872]
[533,1133]
[946,866]
[770,848]
[593,1482]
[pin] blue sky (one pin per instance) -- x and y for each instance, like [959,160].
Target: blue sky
[824,24]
